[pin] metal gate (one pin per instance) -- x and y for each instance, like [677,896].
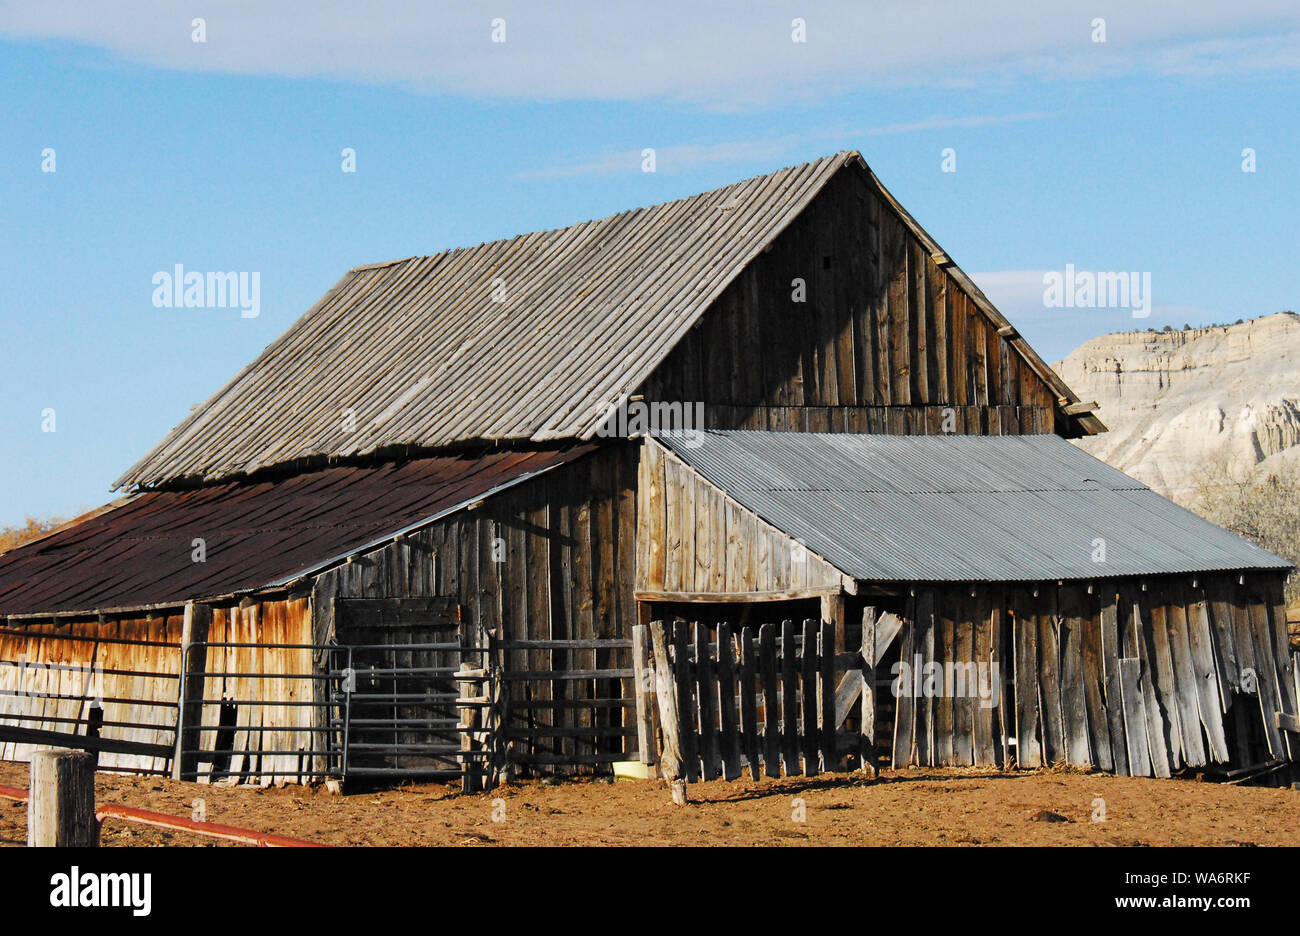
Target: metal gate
[402,677]
[394,709]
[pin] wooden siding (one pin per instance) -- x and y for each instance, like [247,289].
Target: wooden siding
[138,681]
[1186,673]
[552,559]
[886,340]
[259,725]
[693,538]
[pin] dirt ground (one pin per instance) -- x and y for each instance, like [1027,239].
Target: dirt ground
[907,807]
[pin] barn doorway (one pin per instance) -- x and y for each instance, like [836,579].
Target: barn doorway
[392,680]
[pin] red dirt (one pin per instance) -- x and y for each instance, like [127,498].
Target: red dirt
[907,807]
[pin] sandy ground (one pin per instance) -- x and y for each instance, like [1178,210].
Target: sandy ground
[909,807]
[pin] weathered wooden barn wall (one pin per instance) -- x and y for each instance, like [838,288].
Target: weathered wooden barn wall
[261,724]
[885,341]
[1188,673]
[132,661]
[693,538]
[550,559]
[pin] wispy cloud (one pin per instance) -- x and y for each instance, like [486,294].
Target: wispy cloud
[683,156]
[721,55]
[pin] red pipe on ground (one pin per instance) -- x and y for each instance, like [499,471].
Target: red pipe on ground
[182,824]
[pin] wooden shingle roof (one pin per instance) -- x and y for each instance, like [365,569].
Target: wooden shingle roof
[529,339]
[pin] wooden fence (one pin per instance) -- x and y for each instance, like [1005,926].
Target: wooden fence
[765,699]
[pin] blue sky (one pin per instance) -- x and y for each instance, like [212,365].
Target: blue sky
[225,155]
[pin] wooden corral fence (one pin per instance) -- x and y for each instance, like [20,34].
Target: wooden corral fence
[564,702]
[770,699]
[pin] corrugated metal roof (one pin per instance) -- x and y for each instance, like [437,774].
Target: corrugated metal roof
[255,534]
[962,508]
[422,354]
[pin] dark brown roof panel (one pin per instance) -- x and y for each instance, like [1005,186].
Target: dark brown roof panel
[256,534]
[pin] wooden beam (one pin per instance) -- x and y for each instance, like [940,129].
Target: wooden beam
[790,594]
[1076,409]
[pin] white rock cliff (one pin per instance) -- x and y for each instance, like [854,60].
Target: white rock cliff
[1183,402]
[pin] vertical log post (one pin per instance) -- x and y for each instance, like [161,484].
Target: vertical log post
[189,709]
[670,757]
[645,694]
[61,802]
[870,756]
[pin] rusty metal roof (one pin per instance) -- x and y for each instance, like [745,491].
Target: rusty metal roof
[962,508]
[533,337]
[255,535]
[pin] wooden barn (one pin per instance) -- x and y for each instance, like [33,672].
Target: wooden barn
[728,479]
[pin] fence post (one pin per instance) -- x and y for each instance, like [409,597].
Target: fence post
[645,691]
[61,800]
[189,695]
[666,691]
[870,757]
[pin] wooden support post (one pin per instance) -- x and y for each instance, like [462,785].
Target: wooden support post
[468,676]
[833,611]
[189,711]
[666,692]
[645,694]
[870,756]
[61,801]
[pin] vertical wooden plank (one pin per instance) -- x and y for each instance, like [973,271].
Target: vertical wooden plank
[1094,681]
[1112,685]
[867,729]
[1132,702]
[1266,672]
[1209,702]
[1288,696]
[965,683]
[748,700]
[1003,666]
[985,674]
[688,732]
[1074,707]
[1049,680]
[904,745]
[935,298]
[1028,722]
[1224,641]
[1138,641]
[771,700]
[826,693]
[925,739]
[808,696]
[1189,719]
[789,700]
[705,678]
[644,689]
[730,734]
[1160,666]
